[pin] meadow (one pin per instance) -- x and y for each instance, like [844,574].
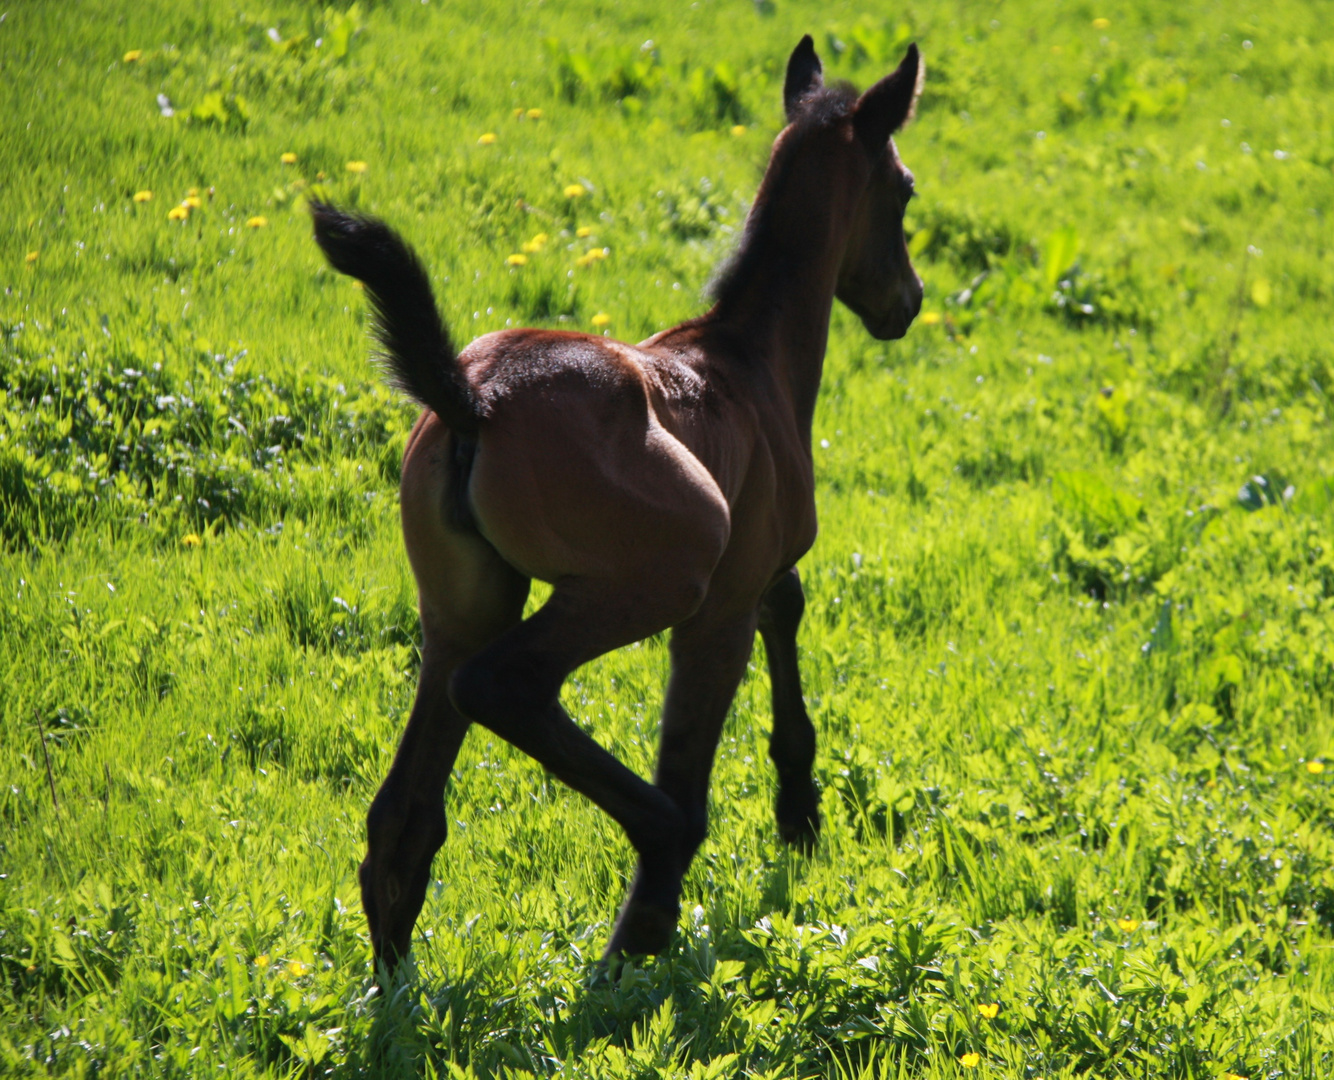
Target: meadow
[1068,642]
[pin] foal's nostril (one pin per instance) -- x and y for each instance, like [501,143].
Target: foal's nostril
[912,301]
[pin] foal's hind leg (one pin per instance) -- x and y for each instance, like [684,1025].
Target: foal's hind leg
[406,823]
[708,662]
[792,746]
[511,688]
[468,596]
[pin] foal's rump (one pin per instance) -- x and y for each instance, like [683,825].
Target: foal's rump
[574,476]
[468,593]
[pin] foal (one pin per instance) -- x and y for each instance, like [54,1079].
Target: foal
[661,485]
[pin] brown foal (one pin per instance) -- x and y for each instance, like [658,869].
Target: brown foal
[665,485]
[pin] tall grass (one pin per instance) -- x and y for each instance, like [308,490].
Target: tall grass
[1068,640]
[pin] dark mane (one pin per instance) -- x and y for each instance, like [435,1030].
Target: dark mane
[826,106]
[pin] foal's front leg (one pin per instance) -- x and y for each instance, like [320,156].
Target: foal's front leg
[709,657]
[792,747]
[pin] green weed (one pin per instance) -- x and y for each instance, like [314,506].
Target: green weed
[1068,637]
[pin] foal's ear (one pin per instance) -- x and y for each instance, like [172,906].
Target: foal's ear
[803,76]
[889,104]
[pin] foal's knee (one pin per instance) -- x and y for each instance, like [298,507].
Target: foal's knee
[784,603]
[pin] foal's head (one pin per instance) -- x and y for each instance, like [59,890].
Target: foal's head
[876,278]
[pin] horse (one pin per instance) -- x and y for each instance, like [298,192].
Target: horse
[664,486]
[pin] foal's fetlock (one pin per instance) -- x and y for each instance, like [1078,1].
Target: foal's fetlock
[693,834]
[648,919]
[669,840]
[798,812]
[643,929]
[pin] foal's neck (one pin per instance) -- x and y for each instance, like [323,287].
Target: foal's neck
[779,314]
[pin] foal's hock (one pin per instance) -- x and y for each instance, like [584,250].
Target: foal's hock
[655,486]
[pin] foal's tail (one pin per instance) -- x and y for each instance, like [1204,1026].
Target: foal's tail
[417,349]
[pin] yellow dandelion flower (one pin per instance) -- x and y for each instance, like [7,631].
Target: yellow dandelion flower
[518,113]
[1101,24]
[583,232]
[989,1012]
[575,191]
[1315,768]
[192,540]
[1233,1076]
[739,129]
[143,196]
[178,213]
[133,55]
[357,167]
[262,960]
[536,244]
[1128,925]
[970,1059]
[534,114]
[288,158]
[929,318]
[256,222]
[296,969]
[516,260]
[487,139]
[601,319]
[31,257]
[31,969]
[194,202]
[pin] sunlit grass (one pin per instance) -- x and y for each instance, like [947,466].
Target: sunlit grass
[1068,637]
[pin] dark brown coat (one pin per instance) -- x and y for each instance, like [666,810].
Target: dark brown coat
[665,485]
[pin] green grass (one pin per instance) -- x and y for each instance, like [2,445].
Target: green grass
[1072,666]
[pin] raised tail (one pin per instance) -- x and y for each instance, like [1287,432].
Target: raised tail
[417,351]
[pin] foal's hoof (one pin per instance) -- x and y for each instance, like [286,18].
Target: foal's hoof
[642,930]
[798,814]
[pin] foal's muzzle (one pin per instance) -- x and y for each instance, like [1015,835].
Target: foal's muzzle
[894,324]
